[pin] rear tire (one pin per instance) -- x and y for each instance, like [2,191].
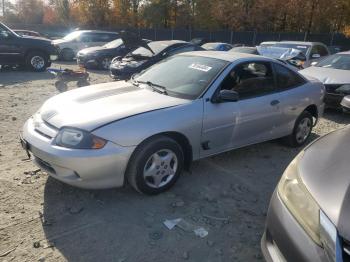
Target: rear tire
[37,61]
[155,166]
[104,63]
[301,131]
[67,54]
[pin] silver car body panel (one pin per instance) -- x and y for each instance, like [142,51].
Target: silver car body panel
[90,107]
[327,75]
[127,115]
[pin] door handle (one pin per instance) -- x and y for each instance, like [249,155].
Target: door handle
[274,102]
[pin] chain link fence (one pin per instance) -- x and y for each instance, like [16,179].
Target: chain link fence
[250,38]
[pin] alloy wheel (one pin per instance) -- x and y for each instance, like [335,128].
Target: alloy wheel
[303,130]
[37,62]
[160,168]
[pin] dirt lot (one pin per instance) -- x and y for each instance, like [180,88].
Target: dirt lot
[42,219]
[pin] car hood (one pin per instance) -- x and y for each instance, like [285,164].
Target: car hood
[59,41]
[91,107]
[324,169]
[35,40]
[94,49]
[328,75]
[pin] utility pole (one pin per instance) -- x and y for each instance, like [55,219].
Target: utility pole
[3,8]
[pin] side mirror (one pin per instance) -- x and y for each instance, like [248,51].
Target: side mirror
[316,56]
[226,96]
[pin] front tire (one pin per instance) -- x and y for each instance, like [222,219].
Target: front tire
[302,130]
[67,54]
[155,165]
[37,61]
[104,63]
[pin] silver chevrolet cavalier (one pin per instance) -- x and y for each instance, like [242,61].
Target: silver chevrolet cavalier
[187,107]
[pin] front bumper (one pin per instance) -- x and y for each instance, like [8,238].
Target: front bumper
[284,239]
[92,169]
[120,74]
[87,61]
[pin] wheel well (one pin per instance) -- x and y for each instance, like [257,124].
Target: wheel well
[312,109]
[36,50]
[182,140]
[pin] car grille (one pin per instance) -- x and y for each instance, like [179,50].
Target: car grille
[46,130]
[331,88]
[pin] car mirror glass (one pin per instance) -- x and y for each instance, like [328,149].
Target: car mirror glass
[226,96]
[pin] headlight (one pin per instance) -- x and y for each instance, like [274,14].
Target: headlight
[298,200]
[78,139]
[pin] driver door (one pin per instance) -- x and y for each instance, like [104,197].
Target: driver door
[10,48]
[249,120]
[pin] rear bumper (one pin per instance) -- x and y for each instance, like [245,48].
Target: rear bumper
[284,239]
[93,169]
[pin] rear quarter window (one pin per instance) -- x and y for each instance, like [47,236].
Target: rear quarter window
[286,78]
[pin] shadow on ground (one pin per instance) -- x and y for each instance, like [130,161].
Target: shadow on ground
[337,116]
[227,194]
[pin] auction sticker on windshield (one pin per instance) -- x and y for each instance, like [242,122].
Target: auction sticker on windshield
[200,67]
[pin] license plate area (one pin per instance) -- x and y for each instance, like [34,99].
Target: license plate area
[26,146]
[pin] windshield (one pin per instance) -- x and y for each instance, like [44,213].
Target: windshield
[280,52]
[114,44]
[338,61]
[5,31]
[210,46]
[184,76]
[157,47]
[302,48]
[72,36]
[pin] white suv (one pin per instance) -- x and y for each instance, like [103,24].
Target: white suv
[72,43]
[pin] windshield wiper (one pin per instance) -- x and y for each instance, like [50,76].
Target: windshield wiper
[155,87]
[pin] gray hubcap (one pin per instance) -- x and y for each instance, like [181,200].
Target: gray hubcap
[304,130]
[160,168]
[106,62]
[37,62]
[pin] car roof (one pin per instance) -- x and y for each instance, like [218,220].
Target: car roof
[300,43]
[227,56]
[170,42]
[216,43]
[96,31]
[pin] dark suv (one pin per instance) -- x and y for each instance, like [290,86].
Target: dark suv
[32,52]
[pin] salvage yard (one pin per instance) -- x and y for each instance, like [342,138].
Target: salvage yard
[42,219]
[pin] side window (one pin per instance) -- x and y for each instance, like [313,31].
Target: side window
[100,37]
[227,47]
[113,37]
[85,37]
[250,80]
[286,78]
[322,50]
[182,50]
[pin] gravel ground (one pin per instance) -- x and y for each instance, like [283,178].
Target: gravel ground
[42,219]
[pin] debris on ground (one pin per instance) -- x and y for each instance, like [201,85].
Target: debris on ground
[186,226]
[7,252]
